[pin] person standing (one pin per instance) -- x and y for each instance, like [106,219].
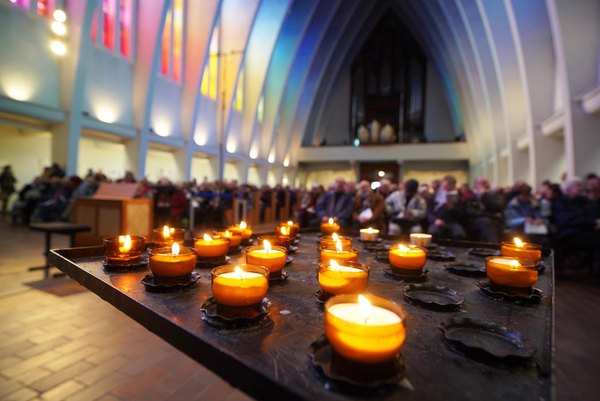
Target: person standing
[7,186]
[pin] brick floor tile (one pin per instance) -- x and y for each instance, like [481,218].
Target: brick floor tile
[100,388]
[99,372]
[237,395]
[62,391]
[9,361]
[138,383]
[139,364]
[31,363]
[109,397]
[45,346]
[60,376]
[22,394]
[32,375]
[215,392]
[66,360]
[8,386]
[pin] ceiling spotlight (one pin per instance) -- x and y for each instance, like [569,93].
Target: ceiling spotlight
[58,28]
[59,15]
[58,47]
[381,173]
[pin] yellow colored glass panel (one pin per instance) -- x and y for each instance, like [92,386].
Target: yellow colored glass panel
[239,93]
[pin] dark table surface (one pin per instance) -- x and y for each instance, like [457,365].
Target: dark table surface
[270,361]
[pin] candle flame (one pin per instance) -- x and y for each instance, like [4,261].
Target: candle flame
[283,231]
[124,243]
[518,242]
[238,270]
[333,265]
[330,221]
[166,232]
[515,264]
[227,234]
[403,248]
[335,237]
[175,249]
[290,223]
[365,307]
[207,238]
[338,245]
[243,225]
[267,246]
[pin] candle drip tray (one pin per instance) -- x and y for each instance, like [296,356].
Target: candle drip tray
[234,316]
[370,242]
[235,250]
[399,275]
[486,341]
[141,264]
[322,296]
[344,375]
[204,261]
[483,252]
[278,277]
[292,248]
[433,297]
[163,284]
[466,269]
[377,248]
[247,242]
[440,254]
[530,295]
[288,259]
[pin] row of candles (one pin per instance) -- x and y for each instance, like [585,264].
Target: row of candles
[362,328]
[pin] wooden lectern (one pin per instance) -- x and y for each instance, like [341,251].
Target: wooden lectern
[113,210]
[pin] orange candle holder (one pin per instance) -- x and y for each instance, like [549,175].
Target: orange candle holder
[273,259]
[343,278]
[343,255]
[165,237]
[122,252]
[244,230]
[508,271]
[329,227]
[164,262]
[407,259]
[235,238]
[239,285]
[330,241]
[278,240]
[368,332]
[522,250]
[208,247]
[293,227]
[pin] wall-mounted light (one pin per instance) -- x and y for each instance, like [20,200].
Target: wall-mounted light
[231,147]
[271,158]
[59,15]
[253,152]
[356,143]
[106,114]
[284,181]
[58,28]
[381,173]
[286,161]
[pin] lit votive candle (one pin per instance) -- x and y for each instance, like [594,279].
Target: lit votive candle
[364,329]
[293,227]
[344,278]
[329,227]
[523,250]
[241,285]
[271,257]
[209,247]
[172,261]
[339,254]
[235,238]
[409,258]
[510,271]
[330,241]
[369,234]
[420,239]
[167,235]
[124,250]
[243,229]
[278,240]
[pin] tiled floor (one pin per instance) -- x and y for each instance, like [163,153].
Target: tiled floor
[60,342]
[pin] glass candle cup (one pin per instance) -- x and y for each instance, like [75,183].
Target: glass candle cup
[365,332]
[330,227]
[329,241]
[211,248]
[509,271]
[239,285]
[292,228]
[278,240]
[420,239]
[533,252]
[345,255]
[245,231]
[273,259]
[165,263]
[369,234]
[121,252]
[407,257]
[165,237]
[235,238]
[343,278]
